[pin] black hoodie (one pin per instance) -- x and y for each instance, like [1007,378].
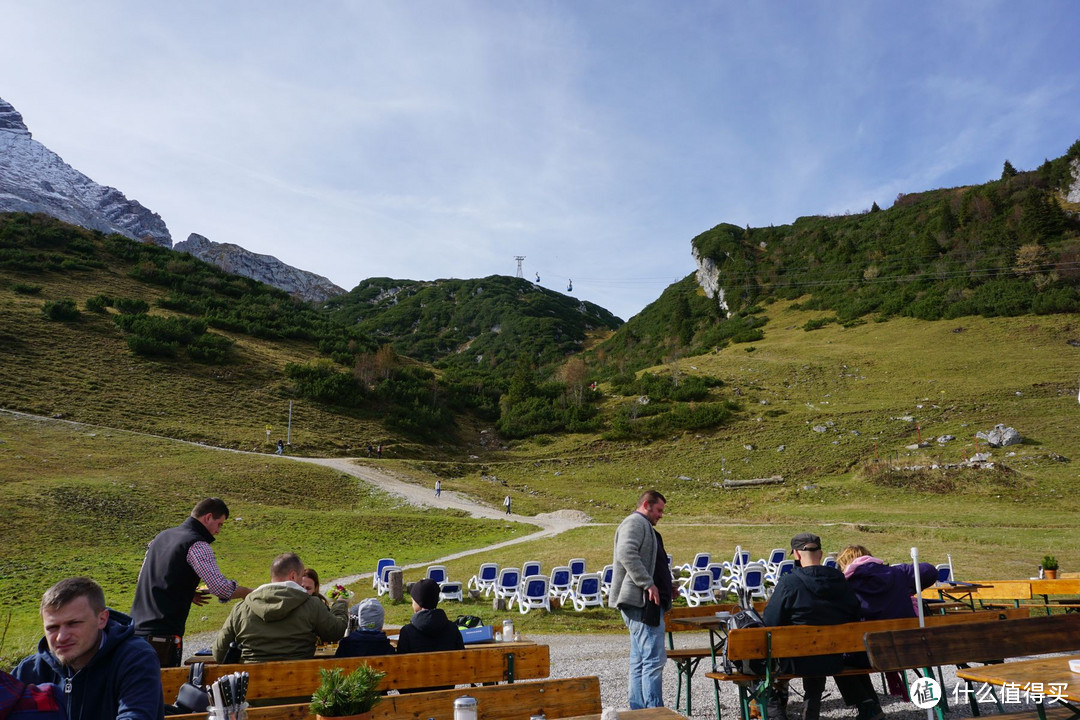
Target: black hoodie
[815,595]
[430,630]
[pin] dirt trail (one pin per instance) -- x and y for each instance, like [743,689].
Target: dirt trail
[550,523]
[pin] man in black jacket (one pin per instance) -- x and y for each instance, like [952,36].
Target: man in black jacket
[817,595]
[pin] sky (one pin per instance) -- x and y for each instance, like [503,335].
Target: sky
[427,139]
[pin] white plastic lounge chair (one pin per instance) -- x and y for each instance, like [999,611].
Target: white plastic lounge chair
[383,562]
[587,593]
[484,579]
[561,583]
[507,585]
[534,594]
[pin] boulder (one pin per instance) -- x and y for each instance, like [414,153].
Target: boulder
[1000,436]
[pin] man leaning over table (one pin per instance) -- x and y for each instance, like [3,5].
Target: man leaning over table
[279,620]
[641,581]
[176,561]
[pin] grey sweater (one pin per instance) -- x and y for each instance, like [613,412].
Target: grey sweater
[634,561]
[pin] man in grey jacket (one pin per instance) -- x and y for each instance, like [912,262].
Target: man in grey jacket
[641,577]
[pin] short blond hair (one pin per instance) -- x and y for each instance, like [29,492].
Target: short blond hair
[850,553]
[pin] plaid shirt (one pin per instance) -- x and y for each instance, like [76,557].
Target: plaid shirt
[19,700]
[201,558]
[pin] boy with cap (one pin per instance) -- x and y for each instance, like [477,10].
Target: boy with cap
[368,638]
[430,629]
[817,595]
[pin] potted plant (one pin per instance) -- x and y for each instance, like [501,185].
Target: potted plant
[1050,567]
[347,696]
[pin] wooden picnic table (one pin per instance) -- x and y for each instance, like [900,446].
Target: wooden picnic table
[958,592]
[329,651]
[1048,676]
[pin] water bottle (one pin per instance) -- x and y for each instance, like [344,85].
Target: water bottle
[508,630]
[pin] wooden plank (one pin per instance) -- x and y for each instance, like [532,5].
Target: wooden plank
[412,670]
[1055,587]
[992,590]
[563,698]
[955,644]
[803,640]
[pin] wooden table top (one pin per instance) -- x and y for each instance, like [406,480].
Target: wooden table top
[706,622]
[1046,670]
[660,713]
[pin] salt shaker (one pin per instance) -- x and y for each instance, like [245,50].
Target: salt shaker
[465,708]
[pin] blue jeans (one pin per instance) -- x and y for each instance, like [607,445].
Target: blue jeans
[647,659]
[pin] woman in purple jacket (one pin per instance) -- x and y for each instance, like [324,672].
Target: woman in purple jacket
[884,591]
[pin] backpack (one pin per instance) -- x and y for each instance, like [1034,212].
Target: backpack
[468,621]
[744,618]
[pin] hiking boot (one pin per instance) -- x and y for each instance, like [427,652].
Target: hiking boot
[870,710]
[777,704]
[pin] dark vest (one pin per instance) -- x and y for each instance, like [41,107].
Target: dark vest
[167,583]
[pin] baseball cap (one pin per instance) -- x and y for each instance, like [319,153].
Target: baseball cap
[806,541]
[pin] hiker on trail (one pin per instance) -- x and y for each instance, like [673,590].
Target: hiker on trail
[506,502]
[280,447]
[379,451]
[176,561]
[438,488]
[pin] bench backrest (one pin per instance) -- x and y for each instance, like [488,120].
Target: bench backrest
[562,698]
[802,640]
[411,670]
[997,590]
[1056,587]
[950,645]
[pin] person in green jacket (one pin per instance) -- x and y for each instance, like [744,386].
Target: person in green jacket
[279,620]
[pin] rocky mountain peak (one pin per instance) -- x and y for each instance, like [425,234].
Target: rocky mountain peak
[264,268]
[34,179]
[11,120]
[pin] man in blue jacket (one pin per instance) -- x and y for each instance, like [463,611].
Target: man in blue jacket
[92,653]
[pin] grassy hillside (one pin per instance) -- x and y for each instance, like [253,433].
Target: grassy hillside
[86,500]
[1005,248]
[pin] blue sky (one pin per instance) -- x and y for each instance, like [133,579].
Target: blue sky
[441,138]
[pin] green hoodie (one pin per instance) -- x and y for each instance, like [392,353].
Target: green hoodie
[280,621]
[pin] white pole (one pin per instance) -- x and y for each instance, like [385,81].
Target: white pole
[918,595]
[288,434]
[952,575]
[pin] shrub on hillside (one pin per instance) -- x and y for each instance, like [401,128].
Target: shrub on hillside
[26,289]
[98,303]
[131,306]
[210,349]
[322,381]
[61,310]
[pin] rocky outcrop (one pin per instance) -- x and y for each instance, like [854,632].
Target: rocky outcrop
[264,268]
[1073,194]
[35,179]
[1000,436]
[708,277]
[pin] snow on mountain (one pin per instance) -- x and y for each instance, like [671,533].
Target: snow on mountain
[35,179]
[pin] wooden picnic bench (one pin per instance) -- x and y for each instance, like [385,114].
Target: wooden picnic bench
[1061,586]
[792,641]
[563,698]
[920,648]
[687,659]
[297,678]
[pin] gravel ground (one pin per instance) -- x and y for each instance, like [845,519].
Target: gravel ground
[606,656]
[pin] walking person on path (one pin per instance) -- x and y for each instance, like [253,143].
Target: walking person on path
[506,502]
[438,488]
[280,447]
[642,591]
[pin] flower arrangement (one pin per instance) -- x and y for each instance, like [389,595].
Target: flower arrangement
[339,592]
